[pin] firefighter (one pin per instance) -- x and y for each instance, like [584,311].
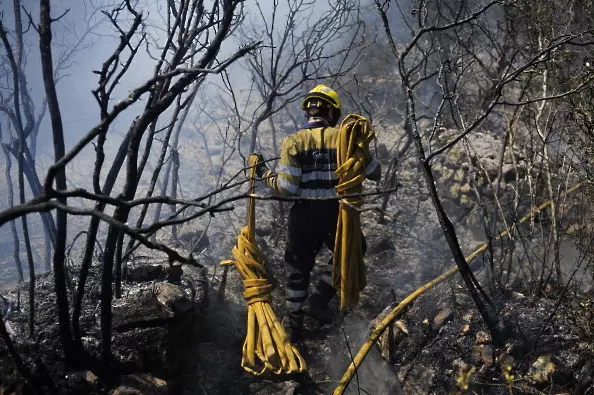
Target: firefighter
[306,169]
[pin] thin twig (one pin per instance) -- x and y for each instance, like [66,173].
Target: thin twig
[346,339]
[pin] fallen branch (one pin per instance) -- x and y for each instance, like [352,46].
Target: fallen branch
[379,330]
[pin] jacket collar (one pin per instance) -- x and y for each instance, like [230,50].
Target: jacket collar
[312,123]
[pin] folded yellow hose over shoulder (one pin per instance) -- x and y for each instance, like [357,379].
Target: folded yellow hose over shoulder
[348,270]
[267,348]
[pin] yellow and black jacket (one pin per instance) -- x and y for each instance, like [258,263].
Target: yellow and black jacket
[308,162]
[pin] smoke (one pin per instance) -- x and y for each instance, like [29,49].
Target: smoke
[375,375]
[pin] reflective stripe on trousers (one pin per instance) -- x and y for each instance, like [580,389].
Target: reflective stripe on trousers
[311,224]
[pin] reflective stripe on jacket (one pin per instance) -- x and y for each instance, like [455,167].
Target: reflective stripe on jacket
[308,163]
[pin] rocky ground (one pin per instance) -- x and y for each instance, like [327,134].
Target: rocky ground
[175,333]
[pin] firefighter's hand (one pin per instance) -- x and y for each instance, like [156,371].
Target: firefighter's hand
[261,167]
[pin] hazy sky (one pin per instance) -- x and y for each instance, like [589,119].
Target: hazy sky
[78,106]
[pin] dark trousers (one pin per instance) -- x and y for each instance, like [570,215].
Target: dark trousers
[311,224]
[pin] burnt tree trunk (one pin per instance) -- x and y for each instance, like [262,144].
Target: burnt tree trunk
[174,186]
[21,143]
[16,242]
[45,43]
[20,365]
[447,227]
[118,266]
[94,224]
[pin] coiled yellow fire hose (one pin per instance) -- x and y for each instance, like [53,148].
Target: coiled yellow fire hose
[267,348]
[348,270]
[377,332]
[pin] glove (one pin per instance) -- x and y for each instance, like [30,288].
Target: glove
[261,167]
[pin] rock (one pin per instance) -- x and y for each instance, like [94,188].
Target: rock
[140,311]
[82,382]
[442,317]
[91,378]
[401,326]
[446,173]
[465,188]
[467,202]
[517,296]
[487,355]
[505,360]
[465,330]
[140,384]
[541,370]
[477,352]
[483,337]
[454,191]
[174,297]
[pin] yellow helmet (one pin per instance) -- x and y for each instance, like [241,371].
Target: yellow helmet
[325,94]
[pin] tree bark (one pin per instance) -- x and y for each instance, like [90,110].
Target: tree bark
[156,172]
[118,266]
[13,229]
[20,365]
[446,225]
[174,145]
[174,186]
[94,225]
[45,43]
[16,74]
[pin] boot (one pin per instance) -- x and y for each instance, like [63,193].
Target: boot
[293,325]
[318,310]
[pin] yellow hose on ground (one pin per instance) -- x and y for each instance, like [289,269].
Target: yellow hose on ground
[348,270]
[267,348]
[375,335]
